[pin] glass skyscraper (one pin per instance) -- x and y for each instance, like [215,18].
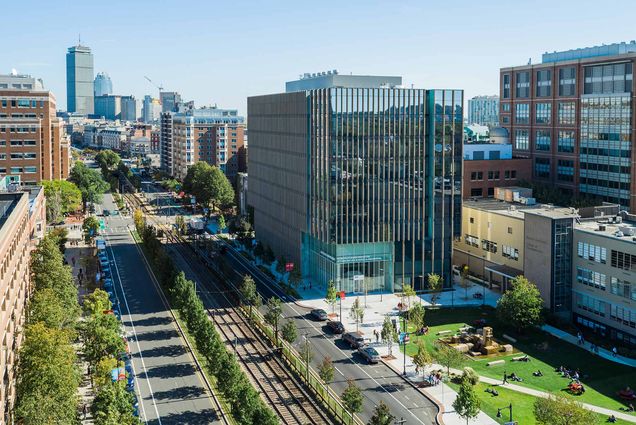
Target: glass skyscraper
[79,80]
[372,199]
[103,84]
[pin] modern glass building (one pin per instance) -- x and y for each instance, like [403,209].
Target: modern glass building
[484,110]
[79,80]
[361,186]
[103,84]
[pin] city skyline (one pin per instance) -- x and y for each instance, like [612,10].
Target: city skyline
[457,45]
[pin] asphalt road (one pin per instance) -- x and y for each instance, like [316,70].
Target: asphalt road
[170,387]
[378,382]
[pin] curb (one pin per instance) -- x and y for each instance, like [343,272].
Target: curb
[440,407]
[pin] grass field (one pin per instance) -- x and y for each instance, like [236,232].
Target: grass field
[602,378]
[522,405]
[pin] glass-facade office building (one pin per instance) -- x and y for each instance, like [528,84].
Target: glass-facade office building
[80,80]
[375,191]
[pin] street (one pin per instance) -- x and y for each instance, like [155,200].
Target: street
[170,386]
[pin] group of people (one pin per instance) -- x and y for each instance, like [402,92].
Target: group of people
[434,378]
[573,374]
[513,377]
[423,330]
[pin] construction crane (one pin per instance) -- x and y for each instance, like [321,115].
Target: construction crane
[160,87]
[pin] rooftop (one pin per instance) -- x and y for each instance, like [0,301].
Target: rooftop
[516,210]
[590,52]
[619,227]
[331,79]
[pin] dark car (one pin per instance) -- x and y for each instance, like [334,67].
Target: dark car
[354,339]
[335,326]
[369,354]
[319,314]
[106,213]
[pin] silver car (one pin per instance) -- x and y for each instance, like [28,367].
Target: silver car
[370,354]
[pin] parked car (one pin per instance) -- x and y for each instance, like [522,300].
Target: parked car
[106,213]
[354,339]
[369,354]
[335,326]
[319,314]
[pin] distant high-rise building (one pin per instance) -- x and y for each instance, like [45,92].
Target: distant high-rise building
[80,80]
[484,110]
[108,106]
[103,84]
[151,110]
[34,146]
[573,115]
[129,109]
[169,101]
[357,180]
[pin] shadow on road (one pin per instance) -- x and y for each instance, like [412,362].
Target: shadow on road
[170,371]
[204,417]
[169,351]
[180,393]
[160,335]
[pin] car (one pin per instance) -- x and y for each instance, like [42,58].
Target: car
[336,326]
[106,213]
[354,339]
[369,354]
[319,314]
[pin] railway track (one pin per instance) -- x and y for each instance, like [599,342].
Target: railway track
[279,387]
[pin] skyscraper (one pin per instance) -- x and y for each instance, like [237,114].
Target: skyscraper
[358,180]
[573,115]
[151,109]
[169,100]
[484,110]
[103,84]
[129,108]
[79,80]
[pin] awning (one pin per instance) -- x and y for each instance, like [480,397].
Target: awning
[505,271]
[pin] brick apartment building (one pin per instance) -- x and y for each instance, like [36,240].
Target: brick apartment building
[33,145]
[572,115]
[22,224]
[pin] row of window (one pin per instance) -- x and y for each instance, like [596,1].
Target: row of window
[22,103]
[611,168]
[623,260]
[614,153]
[623,315]
[493,175]
[18,129]
[19,155]
[19,143]
[622,288]
[592,252]
[543,83]
[510,252]
[591,304]
[489,246]
[591,278]
[613,184]
[17,170]
[566,113]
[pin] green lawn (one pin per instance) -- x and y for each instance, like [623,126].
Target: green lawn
[604,378]
[522,405]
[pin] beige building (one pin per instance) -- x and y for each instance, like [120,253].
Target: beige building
[22,224]
[604,299]
[502,240]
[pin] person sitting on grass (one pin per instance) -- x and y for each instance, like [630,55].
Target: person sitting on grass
[537,373]
[611,419]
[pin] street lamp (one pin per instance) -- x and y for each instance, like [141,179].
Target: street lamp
[507,407]
[406,332]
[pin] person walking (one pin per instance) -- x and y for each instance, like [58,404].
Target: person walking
[84,410]
[614,352]
[505,378]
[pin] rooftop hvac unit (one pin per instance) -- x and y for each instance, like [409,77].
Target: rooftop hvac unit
[626,230]
[601,228]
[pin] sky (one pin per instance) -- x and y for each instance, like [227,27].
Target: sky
[221,52]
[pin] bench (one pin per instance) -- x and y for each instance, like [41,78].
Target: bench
[448,331]
[516,359]
[509,338]
[495,363]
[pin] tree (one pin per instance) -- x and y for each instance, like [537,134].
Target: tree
[306,353]
[357,312]
[47,377]
[289,331]
[381,415]
[102,337]
[96,302]
[408,292]
[464,282]
[561,410]
[180,224]
[389,334]
[45,307]
[221,223]
[108,159]
[448,356]
[332,295]
[352,397]
[416,316]
[140,222]
[326,370]
[422,358]
[103,368]
[61,236]
[209,185]
[272,316]
[470,375]
[248,291]
[522,305]
[90,227]
[114,405]
[89,182]
[467,403]
[62,197]
[435,286]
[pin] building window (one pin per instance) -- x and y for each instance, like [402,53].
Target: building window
[489,246]
[542,140]
[505,107]
[567,81]
[623,315]
[510,252]
[567,113]
[543,113]
[565,170]
[591,278]
[493,175]
[522,140]
[544,83]
[506,86]
[565,142]
[605,79]
[622,288]
[522,113]
[623,260]
[471,240]
[542,167]
[476,175]
[505,120]
[510,230]
[476,191]
[491,191]
[522,84]
[587,303]
[592,252]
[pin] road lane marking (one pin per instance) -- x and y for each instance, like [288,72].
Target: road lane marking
[132,325]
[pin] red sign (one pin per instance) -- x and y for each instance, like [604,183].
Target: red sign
[342,295]
[289,267]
